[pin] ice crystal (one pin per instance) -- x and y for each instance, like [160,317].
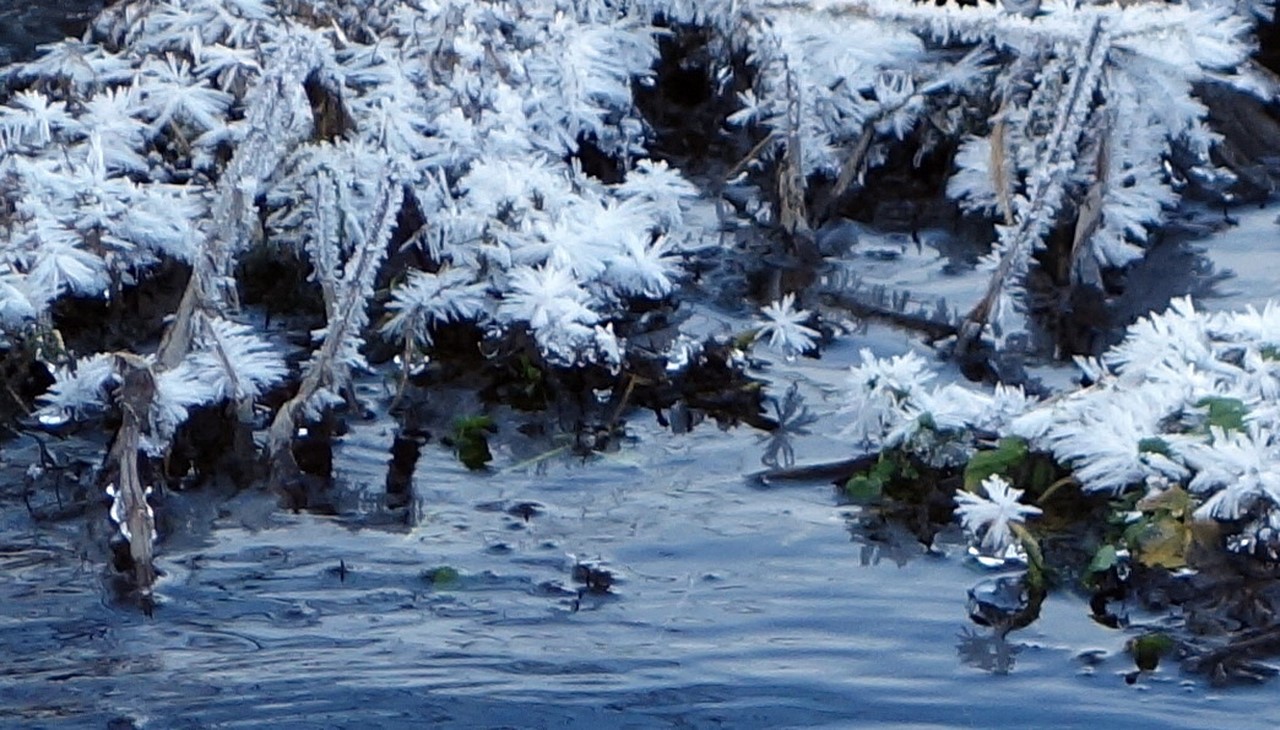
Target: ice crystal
[1237,470]
[1188,398]
[991,516]
[783,326]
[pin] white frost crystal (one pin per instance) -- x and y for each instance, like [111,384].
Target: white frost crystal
[783,327]
[992,516]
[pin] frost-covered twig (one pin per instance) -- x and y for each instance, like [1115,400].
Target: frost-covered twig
[1033,214]
[278,118]
[327,375]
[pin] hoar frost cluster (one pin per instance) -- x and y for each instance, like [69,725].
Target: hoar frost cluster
[1189,398]
[1076,115]
[193,130]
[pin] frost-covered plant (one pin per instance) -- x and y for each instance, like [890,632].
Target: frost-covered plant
[832,96]
[1188,398]
[891,403]
[1179,378]
[185,125]
[993,517]
[192,130]
[1081,115]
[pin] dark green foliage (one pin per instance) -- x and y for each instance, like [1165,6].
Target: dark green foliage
[869,485]
[471,439]
[441,576]
[1008,454]
[1106,558]
[1148,649]
[1154,445]
[1227,414]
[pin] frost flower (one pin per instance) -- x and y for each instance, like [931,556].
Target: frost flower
[784,327]
[993,515]
[881,397]
[1237,469]
[556,307]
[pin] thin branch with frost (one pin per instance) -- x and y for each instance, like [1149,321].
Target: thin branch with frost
[328,372]
[129,508]
[1033,214]
[278,117]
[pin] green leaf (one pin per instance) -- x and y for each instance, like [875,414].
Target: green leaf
[1174,501]
[1269,352]
[1042,476]
[1149,648]
[1134,531]
[1009,453]
[1164,544]
[1226,413]
[441,577]
[1104,559]
[869,486]
[1036,568]
[886,467]
[529,372]
[1161,537]
[1154,445]
[926,422]
[471,436]
[864,488]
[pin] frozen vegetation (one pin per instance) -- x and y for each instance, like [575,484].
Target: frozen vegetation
[491,173]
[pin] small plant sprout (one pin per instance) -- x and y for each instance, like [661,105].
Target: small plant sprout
[783,326]
[995,518]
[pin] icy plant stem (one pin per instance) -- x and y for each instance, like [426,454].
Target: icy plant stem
[791,208]
[279,117]
[347,317]
[1034,214]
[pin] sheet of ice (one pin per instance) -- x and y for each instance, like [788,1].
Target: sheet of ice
[1246,257]
[930,270]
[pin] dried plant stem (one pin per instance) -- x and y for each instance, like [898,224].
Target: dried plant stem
[999,165]
[791,183]
[849,170]
[1034,214]
[137,391]
[346,319]
[279,118]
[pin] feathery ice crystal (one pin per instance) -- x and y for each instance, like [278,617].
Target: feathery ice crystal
[891,403]
[991,517]
[1188,398]
[784,327]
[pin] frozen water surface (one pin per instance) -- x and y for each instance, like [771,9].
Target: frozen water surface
[730,604]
